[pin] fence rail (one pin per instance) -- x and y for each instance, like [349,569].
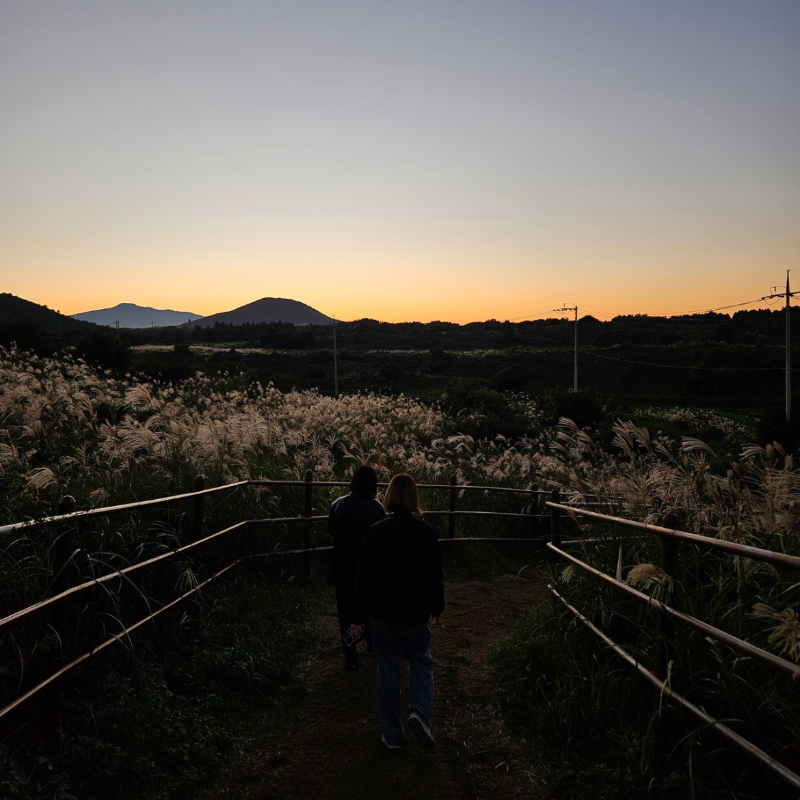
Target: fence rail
[670,537]
[744,550]
[201,492]
[68,519]
[666,691]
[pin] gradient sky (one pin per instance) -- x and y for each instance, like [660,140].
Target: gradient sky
[399,160]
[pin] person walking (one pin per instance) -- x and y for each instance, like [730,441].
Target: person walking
[349,520]
[399,591]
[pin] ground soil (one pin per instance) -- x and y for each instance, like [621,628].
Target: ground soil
[326,743]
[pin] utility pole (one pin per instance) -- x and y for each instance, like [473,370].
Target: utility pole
[575,310]
[788,295]
[335,364]
[788,354]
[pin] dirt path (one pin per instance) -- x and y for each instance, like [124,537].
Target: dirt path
[327,743]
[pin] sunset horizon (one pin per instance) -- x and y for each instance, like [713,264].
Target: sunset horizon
[602,311]
[399,162]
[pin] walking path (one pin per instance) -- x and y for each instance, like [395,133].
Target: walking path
[326,744]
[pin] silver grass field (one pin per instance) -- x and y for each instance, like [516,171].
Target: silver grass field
[67,429]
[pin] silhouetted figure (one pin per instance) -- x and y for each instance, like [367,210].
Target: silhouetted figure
[400,590]
[349,520]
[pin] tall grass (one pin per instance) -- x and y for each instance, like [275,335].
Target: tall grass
[66,429]
[586,708]
[159,716]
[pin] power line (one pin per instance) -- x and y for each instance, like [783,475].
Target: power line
[709,310]
[528,316]
[680,366]
[666,314]
[684,313]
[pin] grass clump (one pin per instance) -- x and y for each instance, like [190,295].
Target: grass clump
[157,718]
[595,726]
[584,715]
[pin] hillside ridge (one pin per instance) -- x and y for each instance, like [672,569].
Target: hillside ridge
[268,309]
[14,308]
[131,315]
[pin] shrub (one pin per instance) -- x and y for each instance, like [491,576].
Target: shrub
[27,335]
[391,371]
[103,349]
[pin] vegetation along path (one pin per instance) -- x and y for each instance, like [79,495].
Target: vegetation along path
[326,744]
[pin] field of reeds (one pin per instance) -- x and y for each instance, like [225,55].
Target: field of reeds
[104,439]
[69,430]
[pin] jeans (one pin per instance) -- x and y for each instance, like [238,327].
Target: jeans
[395,642]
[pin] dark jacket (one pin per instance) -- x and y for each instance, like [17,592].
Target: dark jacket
[349,520]
[400,577]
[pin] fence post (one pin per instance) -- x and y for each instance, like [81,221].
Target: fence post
[665,725]
[669,564]
[451,520]
[199,506]
[555,519]
[534,511]
[307,512]
[62,553]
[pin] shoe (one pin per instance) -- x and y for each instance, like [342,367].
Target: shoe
[390,746]
[421,730]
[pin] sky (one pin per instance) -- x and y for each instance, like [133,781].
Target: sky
[439,160]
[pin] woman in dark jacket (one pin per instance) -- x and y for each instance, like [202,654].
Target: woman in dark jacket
[400,590]
[349,521]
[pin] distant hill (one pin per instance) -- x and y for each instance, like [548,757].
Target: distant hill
[269,309]
[129,315]
[14,308]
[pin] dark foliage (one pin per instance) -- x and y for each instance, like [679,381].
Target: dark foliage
[27,335]
[156,721]
[101,348]
[392,371]
[585,407]
[481,412]
[775,428]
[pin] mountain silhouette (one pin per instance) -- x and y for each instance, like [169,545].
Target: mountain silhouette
[16,308]
[268,309]
[129,315]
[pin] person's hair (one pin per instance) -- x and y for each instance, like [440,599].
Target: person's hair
[402,495]
[365,482]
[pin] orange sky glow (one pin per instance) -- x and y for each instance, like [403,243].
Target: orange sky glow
[399,161]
